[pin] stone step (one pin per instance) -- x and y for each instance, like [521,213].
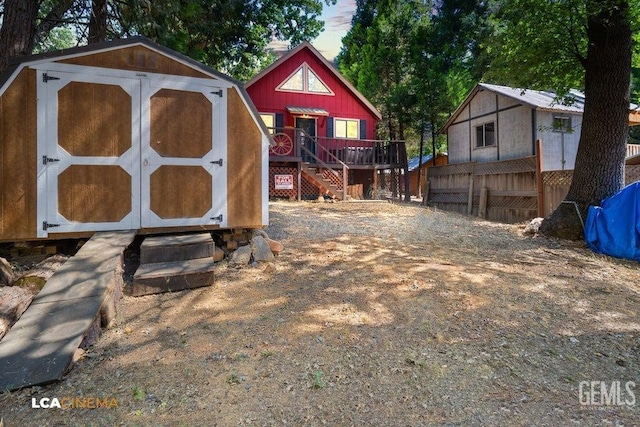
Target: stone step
[172,276]
[172,248]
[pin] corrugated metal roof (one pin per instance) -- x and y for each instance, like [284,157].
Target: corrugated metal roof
[307,110]
[415,162]
[573,102]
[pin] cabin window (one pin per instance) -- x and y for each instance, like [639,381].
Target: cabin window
[305,80]
[485,135]
[562,124]
[269,120]
[346,128]
[314,84]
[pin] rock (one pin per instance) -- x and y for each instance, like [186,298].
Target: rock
[6,272]
[260,232]
[276,247]
[533,226]
[241,256]
[270,268]
[260,249]
[13,302]
[218,254]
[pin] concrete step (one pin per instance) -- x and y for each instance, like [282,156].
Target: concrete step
[172,248]
[172,276]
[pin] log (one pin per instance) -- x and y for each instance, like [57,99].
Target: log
[13,302]
[6,272]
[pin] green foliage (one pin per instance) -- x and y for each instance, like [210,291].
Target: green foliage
[543,45]
[416,60]
[229,35]
[57,39]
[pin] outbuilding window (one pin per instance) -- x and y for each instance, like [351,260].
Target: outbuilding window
[562,124]
[485,135]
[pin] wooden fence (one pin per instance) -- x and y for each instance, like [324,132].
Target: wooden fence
[504,191]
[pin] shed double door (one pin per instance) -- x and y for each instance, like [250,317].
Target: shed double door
[120,152]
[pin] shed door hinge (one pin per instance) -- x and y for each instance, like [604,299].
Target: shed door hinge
[47,160]
[46,77]
[219,93]
[46,225]
[217,218]
[217,162]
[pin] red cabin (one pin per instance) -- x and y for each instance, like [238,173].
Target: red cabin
[323,128]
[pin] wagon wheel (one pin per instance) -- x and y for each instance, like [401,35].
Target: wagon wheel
[284,144]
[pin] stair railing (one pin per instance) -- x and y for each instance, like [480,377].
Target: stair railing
[303,137]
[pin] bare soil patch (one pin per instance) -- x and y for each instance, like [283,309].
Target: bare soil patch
[377,314]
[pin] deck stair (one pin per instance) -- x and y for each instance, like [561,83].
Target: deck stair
[173,263]
[314,174]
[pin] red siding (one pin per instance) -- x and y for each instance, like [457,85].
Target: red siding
[343,104]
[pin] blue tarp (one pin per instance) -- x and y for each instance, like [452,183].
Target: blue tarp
[614,228]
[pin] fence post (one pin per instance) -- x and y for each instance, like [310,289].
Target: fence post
[540,182]
[482,206]
[470,199]
[425,194]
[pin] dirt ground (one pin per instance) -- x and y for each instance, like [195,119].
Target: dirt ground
[377,315]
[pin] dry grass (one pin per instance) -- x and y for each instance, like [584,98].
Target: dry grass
[378,314]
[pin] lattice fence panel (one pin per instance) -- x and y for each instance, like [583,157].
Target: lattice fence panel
[282,170]
[335,179]
[557,178]
[309,190]
[632,174]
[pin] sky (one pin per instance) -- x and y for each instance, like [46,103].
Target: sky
[337,22]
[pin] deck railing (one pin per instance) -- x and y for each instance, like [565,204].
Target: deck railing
[334,151]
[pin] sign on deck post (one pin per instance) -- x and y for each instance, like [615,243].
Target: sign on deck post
[283,182]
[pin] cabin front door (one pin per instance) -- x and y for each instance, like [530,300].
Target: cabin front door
[120,150]
[308,126]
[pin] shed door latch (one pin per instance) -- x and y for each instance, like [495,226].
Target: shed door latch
[218,92]
[46,225]
[46,77]
[217,218]
[46,160]
[217,162]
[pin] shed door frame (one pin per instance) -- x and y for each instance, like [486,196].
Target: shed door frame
[48,172]
[140,86]
[151,160]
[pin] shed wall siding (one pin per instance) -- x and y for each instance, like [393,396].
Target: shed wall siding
[18,194]
[244,160]
[459,143]
[552,142]
[484,102]
[136,58]
[514,129]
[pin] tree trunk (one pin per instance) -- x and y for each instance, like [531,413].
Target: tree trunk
[599,167]
[98,21]
[17,35]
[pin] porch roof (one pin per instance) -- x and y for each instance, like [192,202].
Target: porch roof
[310,111]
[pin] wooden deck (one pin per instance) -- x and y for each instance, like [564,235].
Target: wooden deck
[39,348]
